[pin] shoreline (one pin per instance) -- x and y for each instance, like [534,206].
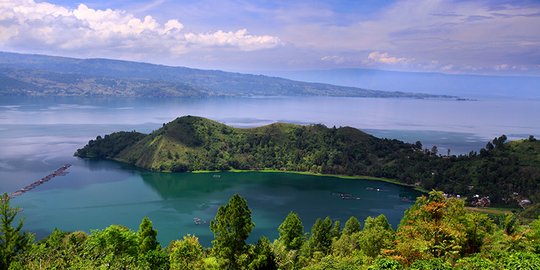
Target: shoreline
[353,177]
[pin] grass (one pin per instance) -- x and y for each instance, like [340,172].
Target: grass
[491,210]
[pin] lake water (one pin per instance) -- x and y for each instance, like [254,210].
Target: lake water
[37,135]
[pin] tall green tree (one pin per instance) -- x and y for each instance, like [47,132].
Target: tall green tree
[291,232]
[263,256]
[352,225]
[376,236]
[12,240]
[150,253]
[232,226]
[320,240]
[335,232]
[186,254]
[347,242]
[147,236]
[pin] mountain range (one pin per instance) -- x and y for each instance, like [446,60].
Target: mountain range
[435,83]
[41,75]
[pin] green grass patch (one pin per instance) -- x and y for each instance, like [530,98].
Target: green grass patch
[356,177]
[492,210]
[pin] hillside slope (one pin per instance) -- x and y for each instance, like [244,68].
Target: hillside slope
[40,75]
[194,143]
[507,172]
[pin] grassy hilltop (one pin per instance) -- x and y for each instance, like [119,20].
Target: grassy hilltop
[507,172]
[193,143]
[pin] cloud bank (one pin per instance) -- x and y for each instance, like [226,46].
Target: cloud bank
[38,26]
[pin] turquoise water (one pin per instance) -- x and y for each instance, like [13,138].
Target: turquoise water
[172,201]
[37,135]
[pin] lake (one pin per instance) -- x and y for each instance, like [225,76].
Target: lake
[37,135]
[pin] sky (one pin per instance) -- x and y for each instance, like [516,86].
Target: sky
[448,36]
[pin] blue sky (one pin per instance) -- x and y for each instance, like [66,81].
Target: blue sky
[449,36]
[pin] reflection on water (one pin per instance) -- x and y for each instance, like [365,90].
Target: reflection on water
[173,201]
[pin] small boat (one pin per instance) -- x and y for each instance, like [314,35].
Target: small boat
[198,221]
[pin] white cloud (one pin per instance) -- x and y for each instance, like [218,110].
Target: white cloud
[334,59]
[173,25]
[385,58]
[25,24]
[240,39]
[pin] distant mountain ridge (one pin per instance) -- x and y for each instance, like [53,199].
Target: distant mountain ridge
[41,75]
[464,85]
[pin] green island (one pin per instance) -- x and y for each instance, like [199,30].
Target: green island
[503,174]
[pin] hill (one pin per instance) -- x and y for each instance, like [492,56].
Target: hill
[193,143]
[506,172]
[40,75]
[465,85]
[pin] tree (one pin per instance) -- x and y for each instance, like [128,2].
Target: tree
[376,236]
[147,237]
[499,142]
[335,232]
[115,247]
[231,226]
[186,254]
[291,232]
[150,252]
[12,240]
[379,222]
[347,243]
[263,256]
[434,150]
[434,227]
[320,240]
[351,226]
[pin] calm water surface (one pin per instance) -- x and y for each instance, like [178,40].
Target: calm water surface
[37,135]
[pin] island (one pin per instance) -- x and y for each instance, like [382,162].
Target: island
[505,173]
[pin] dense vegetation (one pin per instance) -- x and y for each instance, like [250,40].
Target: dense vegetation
[435,233]
[40,75]
[507,172]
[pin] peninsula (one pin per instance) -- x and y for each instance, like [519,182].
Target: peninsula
[506,172]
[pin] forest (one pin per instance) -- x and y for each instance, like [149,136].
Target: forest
[435,233]
[506,172]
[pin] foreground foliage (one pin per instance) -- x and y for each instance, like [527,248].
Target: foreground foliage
[435,233]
